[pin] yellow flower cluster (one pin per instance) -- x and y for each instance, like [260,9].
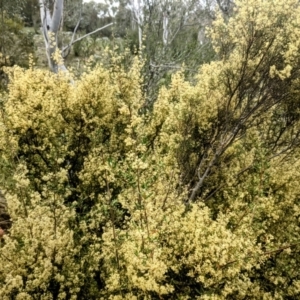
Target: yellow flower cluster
[197,198]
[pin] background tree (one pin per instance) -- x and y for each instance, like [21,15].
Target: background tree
[31,15]
[51,18]
[13,7]
[16,44]
[164,24]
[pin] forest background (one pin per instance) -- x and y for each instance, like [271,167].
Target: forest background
[162,162]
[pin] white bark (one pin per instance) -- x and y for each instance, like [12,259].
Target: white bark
[50,28]
[140,21]
[137,8]
[165,28]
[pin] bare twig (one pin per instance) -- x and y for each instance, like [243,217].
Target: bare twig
[86,35]
[68,49]
[264,253]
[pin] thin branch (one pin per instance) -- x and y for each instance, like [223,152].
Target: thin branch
[264,253]
[8,259]
[68,49]
[199,184]
[86,35]
[170,66]
[168,191]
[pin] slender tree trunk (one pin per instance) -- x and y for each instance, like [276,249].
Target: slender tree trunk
[165,27]
[50,27]
[2,48]
[140,24]
[138,14]
[51,23]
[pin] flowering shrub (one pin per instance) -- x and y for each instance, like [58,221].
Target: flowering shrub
[195,199]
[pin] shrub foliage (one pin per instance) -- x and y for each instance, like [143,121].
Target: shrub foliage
[196,199]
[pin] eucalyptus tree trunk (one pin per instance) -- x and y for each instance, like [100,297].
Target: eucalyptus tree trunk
[51,23]
[140,22]
[137,7]
[50,27]
[165,28]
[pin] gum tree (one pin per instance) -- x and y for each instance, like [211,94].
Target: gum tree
[51,18]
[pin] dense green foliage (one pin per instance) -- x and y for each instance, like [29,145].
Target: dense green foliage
[195,198]
[15,44]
